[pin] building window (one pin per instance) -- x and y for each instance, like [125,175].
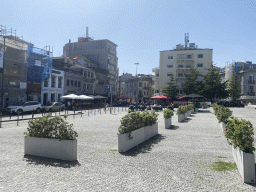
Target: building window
[181,91]
[140,84]
[53,82]
[85,74]
[89,74]
[200,56]
[75,83]
[188,66]
[170,57]
[169,74]
[189,56]
[46,83]
[200,65]
[67,82]
[59,82]
[71,82]
[79,83]
[180,74]
[170,66]
[180,66]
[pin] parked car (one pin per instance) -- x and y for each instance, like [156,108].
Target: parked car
[26,107]
[54,106]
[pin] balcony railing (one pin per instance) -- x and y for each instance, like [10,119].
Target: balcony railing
[251,93]
[251,81]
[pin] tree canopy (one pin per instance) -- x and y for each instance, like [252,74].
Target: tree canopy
[191,84]
[171,89]
[213,87]
[234,86]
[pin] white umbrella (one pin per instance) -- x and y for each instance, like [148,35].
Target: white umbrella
[70,96]
[85,97]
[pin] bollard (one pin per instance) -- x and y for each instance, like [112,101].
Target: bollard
[105,110]
[100,111]
[114,109]
[33,114]
[22,114]
[122,109]
[94,111]
[118,109]
[18,120]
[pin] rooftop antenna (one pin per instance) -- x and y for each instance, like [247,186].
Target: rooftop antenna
[87,35]
[136,67]
[186,40]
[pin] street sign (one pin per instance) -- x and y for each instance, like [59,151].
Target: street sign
[108,88]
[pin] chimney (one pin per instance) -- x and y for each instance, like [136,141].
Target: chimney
[69,40]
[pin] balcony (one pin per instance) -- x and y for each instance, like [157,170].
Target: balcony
[251,93]
[112,72]
[111,62]
[251,81]
[88,80]
[148,88]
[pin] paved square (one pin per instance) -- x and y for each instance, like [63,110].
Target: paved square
[177,159]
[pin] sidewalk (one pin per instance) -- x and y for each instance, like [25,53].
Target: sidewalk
[177,159]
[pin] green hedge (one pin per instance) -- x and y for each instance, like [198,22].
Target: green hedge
[51,127]
[136,120]
[168,113]
[181,110]
[239,133]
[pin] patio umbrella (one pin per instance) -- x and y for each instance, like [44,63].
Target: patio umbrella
[85,97]
[192,96]
[70,96]
[159,97]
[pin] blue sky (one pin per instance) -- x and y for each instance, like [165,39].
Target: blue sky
[140,28]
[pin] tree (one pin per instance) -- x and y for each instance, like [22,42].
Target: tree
[191,84]
[213,87]
[234,86]
[171,89]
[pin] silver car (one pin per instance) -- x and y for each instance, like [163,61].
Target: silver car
[54,106]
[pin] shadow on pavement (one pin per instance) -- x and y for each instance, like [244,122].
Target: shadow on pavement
[173,127]
[204,111]
[50,162]
[144,147]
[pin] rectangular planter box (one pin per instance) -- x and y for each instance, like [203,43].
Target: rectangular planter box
[196,110]
[167,123]
[181,117]
[193,111]
[186,115]
[245,163]
[51,148]
[138,136]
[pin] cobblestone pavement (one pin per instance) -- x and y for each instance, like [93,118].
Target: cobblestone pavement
[178,159]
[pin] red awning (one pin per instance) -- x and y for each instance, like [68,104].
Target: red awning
[159,97]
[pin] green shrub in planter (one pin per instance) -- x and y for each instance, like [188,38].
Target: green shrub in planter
[136,120]
[129,110]
[239,133]
[51,127]
[223,114]
[202,104]
[168,113]
[197,105]
[181,110]
[191,106]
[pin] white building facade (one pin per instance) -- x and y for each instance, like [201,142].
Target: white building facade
[179,61]
[53,87]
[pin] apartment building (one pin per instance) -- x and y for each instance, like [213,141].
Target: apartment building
[178,61]
[155,79]
[247,72]
[101,51]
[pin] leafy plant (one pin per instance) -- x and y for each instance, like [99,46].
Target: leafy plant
[129,110]
[202,104]
[51,127]
[197,105]
[181,110]
[168,113]
[223,113]
[136,120]
[239,133]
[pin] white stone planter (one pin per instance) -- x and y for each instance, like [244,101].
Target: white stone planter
[186,115]
[167,123]
[51,148]
[181,117]
[245,163]
[193,110]
[189,113]
[222,126]
[196,110]
[138,136]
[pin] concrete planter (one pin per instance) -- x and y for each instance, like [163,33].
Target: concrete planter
[51,148]
[181,117]
[138,136]
[167,123]
[196,110]
[222,126]
[193,111]
[245,163]
[186,115]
